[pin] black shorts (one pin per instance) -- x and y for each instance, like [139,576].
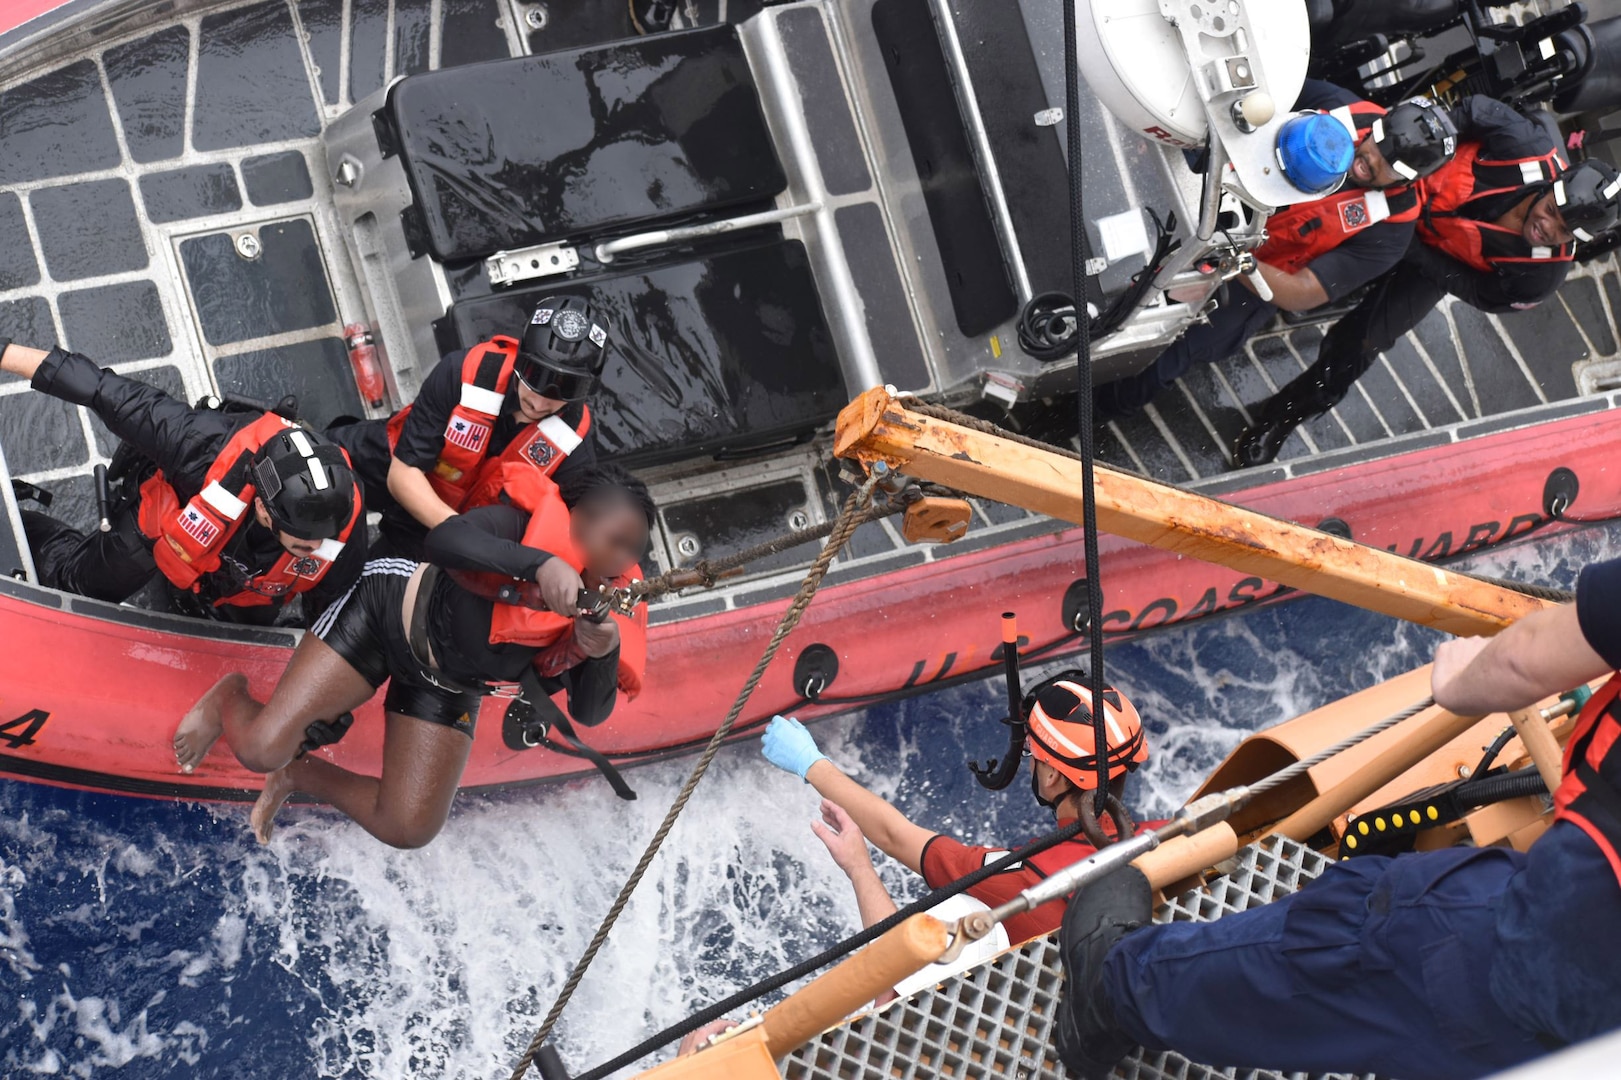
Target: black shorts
[364,627]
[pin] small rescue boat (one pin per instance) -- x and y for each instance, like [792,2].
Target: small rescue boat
[781,211]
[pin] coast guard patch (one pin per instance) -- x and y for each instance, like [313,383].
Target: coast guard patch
[1354,214]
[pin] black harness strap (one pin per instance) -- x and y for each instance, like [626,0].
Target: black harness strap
[557,721]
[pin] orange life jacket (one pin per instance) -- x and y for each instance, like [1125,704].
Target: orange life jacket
[1300,233]
[1482,244]
[530,623]
[188,541]
[537,451]
[464,460]
[1590,795]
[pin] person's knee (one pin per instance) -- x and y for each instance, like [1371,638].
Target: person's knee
[261,752]
[410,834]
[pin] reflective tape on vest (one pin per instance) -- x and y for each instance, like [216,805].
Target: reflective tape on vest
[560,434]
[1531,171]
[480,400]
[1343,115]
[223,501]
[1378,206]
[328,550]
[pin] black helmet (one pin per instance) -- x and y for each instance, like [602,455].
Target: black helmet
[563,350]
[1586,196]
[1416,137]
[306,484]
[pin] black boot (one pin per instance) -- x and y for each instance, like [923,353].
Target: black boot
[1277,417]
[1090,1042]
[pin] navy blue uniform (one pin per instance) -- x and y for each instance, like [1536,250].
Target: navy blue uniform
[1446,965]
[1361,258]
[1424,276]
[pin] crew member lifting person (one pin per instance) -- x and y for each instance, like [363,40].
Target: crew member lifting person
[240,511]
[1063,776]
[506,399]
[1499,231]
[1447,964]
[1320,251]
[441,643]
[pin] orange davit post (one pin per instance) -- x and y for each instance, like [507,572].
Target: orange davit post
[879,426]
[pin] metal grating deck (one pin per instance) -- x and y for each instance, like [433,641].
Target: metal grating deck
[995,1020]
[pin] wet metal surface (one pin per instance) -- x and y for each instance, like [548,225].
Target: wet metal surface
[283,290]
[148,79]
[194,191]
[88,229]
[708,356]
[539,148]
[112,323]
[251,82]
[276,178]
[17,265]
[56,125]
[316,371]
[730,522]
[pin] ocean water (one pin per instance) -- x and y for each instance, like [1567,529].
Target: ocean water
[146,939]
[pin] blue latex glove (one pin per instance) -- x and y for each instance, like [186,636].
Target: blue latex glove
[789,747]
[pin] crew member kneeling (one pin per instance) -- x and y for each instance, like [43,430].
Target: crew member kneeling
[507,400]
[1063,774]
[441,646]
[239,511]
[1448,965]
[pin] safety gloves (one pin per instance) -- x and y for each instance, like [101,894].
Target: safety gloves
[789,747]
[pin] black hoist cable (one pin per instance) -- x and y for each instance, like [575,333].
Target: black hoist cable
[1083,387]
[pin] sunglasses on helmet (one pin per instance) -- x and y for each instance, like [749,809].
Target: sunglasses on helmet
[557,385]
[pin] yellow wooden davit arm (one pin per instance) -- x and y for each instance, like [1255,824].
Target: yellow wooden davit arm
[877,426]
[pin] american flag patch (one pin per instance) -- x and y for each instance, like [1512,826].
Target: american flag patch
[467,434]
[195,524]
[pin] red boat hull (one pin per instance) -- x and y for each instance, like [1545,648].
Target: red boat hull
[89,695]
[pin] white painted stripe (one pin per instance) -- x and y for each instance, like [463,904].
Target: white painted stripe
[561,435]
[223,501]
[482,401]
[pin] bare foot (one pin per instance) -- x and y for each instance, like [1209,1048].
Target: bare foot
[278,785]
[201,726]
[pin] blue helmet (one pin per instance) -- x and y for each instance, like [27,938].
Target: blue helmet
[1315,151]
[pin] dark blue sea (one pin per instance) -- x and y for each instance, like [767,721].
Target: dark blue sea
[146,939]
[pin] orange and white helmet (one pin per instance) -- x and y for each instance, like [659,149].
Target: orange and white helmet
[1061,730]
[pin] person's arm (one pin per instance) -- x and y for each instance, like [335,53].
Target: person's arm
[410,488]
[790,747]
[490,539]
[20,359]
[1545,653]
[1502,131]
[1515,288]
[422,438]
[593,686]
[1300,291]
[1364,256]
[151,421]
[845,842]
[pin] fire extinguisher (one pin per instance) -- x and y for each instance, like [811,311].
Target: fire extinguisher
[363,359]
